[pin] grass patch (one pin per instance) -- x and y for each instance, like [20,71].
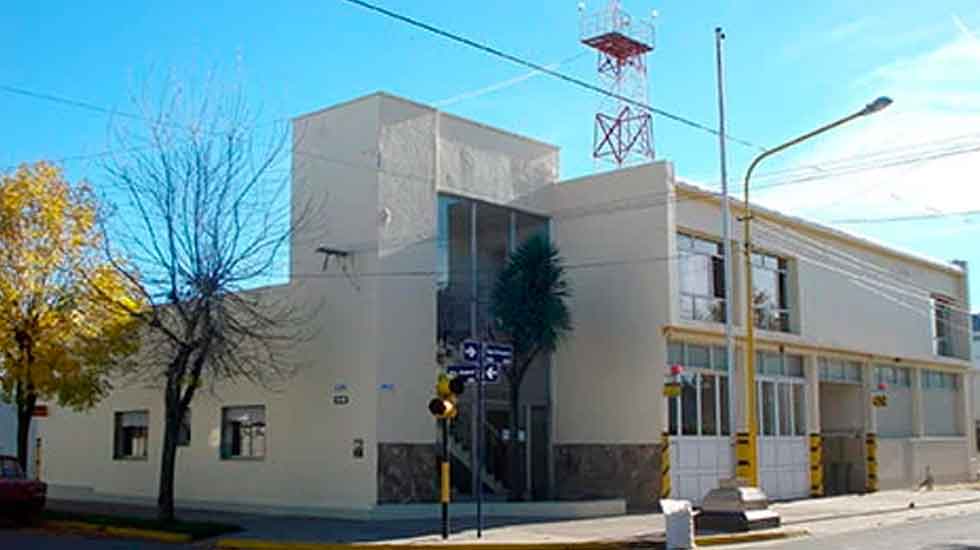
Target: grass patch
[196,529]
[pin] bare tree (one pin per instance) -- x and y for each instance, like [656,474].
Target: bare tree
[203,212]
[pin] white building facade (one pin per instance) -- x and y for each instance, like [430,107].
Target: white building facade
[427,206]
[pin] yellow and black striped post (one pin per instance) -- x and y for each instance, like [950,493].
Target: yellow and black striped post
[444,478]
[816,465]
[665,465]
[871,446]
[745,458]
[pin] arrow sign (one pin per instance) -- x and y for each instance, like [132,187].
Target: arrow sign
[471,350]
[491,374]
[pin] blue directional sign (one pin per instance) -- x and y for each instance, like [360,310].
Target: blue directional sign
[498,355]
[472,351]
[491,374]
[466,372]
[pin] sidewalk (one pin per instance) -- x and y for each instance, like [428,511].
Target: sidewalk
[643,530]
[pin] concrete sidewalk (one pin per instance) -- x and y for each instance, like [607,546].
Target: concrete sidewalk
[632,530]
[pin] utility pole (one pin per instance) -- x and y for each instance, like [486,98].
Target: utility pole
[726,235]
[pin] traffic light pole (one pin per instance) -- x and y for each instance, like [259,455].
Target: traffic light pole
[444,478]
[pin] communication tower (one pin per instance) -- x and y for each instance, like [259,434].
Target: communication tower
[623,131]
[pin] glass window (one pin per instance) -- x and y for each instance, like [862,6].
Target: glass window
[785,411]
[852,372]
[709,422]
[719,358]
[675,354]
[473,244]
[942,317]
[723,405]
[770,292]
[243,432]
[698,357]
[768,405]
[689,405]
[131,435]
[793,366]
[184,434]
[799,409]
[455,270]
[701,271]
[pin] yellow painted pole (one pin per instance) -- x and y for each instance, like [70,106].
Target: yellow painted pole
[816,465]
[665,464]
[746,443]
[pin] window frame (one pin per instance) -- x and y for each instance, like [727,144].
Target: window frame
[119,435]
[783,310]
[715,367]
[716,296]
[224,449]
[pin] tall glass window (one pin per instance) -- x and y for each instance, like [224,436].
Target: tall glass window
[770,280]
[702,407]
[701,270]
[474,241]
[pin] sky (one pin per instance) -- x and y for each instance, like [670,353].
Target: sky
[790,67]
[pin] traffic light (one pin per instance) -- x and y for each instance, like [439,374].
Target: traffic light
[448,389]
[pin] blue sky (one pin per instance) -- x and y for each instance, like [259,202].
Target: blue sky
[791,66]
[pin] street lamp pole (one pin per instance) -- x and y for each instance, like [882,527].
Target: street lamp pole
[746,447]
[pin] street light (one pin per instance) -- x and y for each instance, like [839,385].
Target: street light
[746,450]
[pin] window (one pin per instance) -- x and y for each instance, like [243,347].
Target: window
[769,282]
[472,246]
[132,435]
[701,270]
[895,420]
[10,469]
[702,407]
[939,402]
[779,364]
[184,433]
[942,319]
[839,370]
[799,409]
[243,432]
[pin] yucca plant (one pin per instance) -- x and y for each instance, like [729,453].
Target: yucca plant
[530,306]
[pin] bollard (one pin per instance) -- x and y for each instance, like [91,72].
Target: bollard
[665,465]
[679,520]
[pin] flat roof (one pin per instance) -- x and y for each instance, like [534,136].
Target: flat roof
[387,95]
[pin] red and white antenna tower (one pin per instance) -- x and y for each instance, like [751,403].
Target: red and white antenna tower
[623,131]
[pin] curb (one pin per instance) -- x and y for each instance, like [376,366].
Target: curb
[249,544]
[757,536]
[123,532]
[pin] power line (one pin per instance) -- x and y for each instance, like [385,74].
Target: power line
[543,69]
[910,218]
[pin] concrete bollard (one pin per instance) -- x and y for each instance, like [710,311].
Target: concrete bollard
[679,520]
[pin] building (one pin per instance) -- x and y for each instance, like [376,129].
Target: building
[427,205]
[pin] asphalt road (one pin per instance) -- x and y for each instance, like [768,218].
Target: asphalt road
[35,540]
[951,533]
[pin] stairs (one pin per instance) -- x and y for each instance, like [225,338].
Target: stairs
[461,448]
[463,454]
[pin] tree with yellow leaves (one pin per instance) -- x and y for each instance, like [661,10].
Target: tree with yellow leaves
[66,314]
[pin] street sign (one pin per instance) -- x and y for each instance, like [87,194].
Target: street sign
[466,372]
[500,355]
[491,374]
[471,350]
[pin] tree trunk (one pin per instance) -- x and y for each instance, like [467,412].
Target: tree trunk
[516,467]
[173,418]
[25,413]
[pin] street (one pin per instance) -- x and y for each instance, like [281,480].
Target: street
[951,533]
[36,540]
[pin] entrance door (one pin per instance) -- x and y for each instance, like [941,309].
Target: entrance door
[700,442]
[784,461]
